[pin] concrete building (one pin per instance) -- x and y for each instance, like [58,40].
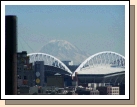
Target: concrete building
[94,92]
[108,90]
[25,70]
[112,90]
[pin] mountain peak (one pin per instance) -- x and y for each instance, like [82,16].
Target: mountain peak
[64,50]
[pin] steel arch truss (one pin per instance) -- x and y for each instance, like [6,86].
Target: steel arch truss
[106,58]
[48,60]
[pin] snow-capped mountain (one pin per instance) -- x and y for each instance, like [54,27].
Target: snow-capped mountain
[63,50]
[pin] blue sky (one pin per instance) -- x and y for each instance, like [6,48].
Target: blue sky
[91,28]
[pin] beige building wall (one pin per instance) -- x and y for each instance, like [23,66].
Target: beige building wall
[112,90]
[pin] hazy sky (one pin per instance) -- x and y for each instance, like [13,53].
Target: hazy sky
[91,28]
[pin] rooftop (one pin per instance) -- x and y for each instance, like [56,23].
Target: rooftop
[100,69]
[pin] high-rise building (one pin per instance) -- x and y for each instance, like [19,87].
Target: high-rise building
[25,70]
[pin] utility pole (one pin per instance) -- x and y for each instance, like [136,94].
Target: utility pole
[10,55]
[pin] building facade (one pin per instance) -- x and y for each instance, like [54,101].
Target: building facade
[25,70]
[112,90]
[39,73]
[94,92]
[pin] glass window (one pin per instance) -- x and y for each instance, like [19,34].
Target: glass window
[18,61]
[38,67]
[19,77]
[18,55]
[25,77]
[24,55]
[31,77]
[25,61]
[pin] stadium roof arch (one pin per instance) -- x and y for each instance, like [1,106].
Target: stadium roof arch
[48,60]
[102,63]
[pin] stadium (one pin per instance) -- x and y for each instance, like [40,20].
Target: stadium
[104,67]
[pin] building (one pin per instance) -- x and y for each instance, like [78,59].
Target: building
[31,75]
[68,63]
[122,89]
[102,90]
[52,71]
[112,90]
[39,73]
[56,80]
[94,92]
[103,67]
[24,70]
[83,92]
[72,67]
[23,90]
[108,90]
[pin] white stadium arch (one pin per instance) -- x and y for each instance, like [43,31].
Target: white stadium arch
[48,60]
[102,62]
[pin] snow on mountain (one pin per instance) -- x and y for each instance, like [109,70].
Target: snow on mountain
[63,50]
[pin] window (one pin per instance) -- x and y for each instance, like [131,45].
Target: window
[25,66]
[18,61]
[31,77]
[19,68]
[18,55]
[24,55]
[19,77]
[25,77]
[38,66]
[25,61]
[31,84]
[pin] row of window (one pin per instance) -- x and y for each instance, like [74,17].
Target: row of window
[26,83]
[26,68]
[114,92]
[25,77]
[22,55]
[113,88]
[23,61]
